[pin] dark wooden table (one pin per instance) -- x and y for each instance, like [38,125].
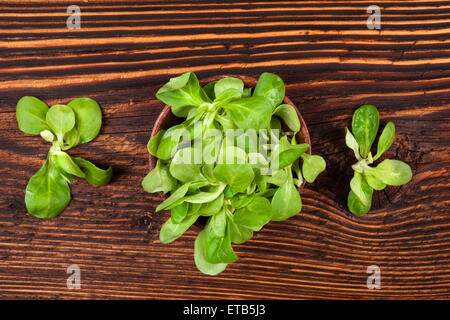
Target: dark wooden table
[331,64]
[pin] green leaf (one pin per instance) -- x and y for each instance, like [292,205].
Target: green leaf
[361,189]
[218,247]
[278,177]
[169,142]
[197,185]
[268,193]
[159,179]
[288,114]
[211,148]
[392,172]
[88,116]
[71,139]
[257,160]
[283,142]
[365,124]
[209,90]
[47,193]
[60,119]
[207,172]
[65,163]
[206,196]
[195,114]
[212,207]
[232,167]
[251,189]
[93,174]
[67,176]
[238,176]
[184,165]
[175,196]
[241,200]
[288,156]
[227,96]
[296,169]
[312,166]
[255,215]
[229,192]
[355,205]
[275,123]
[182,93]
[248,141]
[374,182]
[386,139]
[271,87]
[239,233]
[153,143]
[261,181]
[351,142]
[218,223]
[194,208]
[225,122]
[228,83]
[47,135]
[200,256]
[179,212]
[171,231]
[250,113]
[30,114]
[286,201]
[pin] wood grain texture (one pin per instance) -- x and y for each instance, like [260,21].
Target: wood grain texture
[331,64]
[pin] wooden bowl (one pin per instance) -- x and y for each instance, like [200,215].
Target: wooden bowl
[166,119]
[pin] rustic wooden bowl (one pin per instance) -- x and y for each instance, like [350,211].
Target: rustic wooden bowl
[166,119]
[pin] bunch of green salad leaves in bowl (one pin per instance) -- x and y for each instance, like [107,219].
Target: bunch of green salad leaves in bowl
[232,150]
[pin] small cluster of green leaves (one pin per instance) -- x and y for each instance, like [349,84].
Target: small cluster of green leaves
[65,127]
[365,125]
[236,197]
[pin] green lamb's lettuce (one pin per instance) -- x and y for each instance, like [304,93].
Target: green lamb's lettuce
[247,175]
[64,126]
[366,178]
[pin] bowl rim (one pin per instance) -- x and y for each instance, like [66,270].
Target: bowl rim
[249,81]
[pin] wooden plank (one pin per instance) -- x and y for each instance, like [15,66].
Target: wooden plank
[331,63]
